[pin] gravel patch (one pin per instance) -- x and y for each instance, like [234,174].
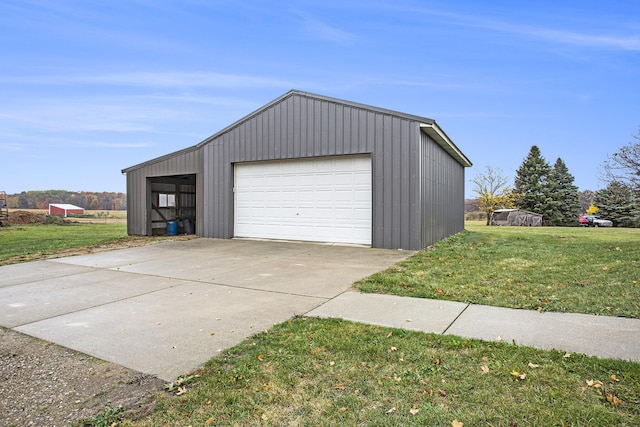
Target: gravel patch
[43,384]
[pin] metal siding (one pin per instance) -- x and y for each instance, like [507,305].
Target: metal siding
[442,200]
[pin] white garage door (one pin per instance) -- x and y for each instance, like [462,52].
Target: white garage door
[322,199]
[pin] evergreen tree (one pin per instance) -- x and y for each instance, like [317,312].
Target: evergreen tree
[565,194]
[533,192]
[619,204]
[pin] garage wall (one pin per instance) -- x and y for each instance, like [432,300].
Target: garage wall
[417,172]
[139,196]
[442,192]
[298,126]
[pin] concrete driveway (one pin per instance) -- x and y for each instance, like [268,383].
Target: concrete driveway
[167,308]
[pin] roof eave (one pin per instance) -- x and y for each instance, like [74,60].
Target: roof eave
[441,138]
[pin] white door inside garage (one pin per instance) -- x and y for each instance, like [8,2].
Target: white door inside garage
[325,199]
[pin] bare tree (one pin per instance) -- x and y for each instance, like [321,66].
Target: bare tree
[624,165]
[493,191]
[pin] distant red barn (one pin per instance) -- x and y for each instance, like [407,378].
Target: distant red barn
[65,209]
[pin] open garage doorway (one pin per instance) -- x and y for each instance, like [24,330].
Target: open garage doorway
[172,204]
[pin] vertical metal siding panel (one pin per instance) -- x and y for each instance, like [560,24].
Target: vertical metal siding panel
[443,200]
[316,128]
[200,193]
[386,184]
[406,201]
[333,122]
[227,180]
[218,220]
[373,129]
[272,129]
[294,126]
[326,128]
[303,129]
[338,134]
[395,143]
[205,224]
[288,129]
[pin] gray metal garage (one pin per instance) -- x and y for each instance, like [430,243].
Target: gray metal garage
[308,167]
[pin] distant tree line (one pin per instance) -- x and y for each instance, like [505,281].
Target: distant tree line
[85,199]
[549,190]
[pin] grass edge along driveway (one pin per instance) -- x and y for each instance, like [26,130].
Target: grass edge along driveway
[326,372]
[563,269]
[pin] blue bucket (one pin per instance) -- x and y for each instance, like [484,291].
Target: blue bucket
[172,228]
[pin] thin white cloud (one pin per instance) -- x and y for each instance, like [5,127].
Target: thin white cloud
[11,147]
[629,42]
[323,31]
[159,79]
[586,40]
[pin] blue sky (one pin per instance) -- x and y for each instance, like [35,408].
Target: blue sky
[88,88]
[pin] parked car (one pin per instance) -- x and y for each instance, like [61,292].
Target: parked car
[596,221]
[584,221]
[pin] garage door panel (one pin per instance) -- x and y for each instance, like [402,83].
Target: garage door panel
[323,199]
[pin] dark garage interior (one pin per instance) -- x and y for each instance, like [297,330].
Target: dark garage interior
[173,204]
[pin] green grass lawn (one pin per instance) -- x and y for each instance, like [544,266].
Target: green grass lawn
[311,372]
[582,270]
[27,242]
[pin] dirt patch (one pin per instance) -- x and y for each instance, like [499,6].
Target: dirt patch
[26,217]
[45,384]
[20,217]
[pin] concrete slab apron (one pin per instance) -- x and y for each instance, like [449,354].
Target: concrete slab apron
[601,336]
[172,331]
[166,309]
[417,314]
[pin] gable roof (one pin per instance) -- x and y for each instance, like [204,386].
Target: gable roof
[65,206]
[429,126]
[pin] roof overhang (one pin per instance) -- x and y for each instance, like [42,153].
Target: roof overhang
[441,138]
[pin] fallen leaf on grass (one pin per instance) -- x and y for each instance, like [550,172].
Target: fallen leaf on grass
[518,376]
[339,387]
[343,409]
[567,355]
[614,378]
[457,423]
[181,391]
[390,334]
[209,421]
[613,399]
[533,365]
[484,369]
[594,383]
[414,411]
[392,410]
[261,357]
